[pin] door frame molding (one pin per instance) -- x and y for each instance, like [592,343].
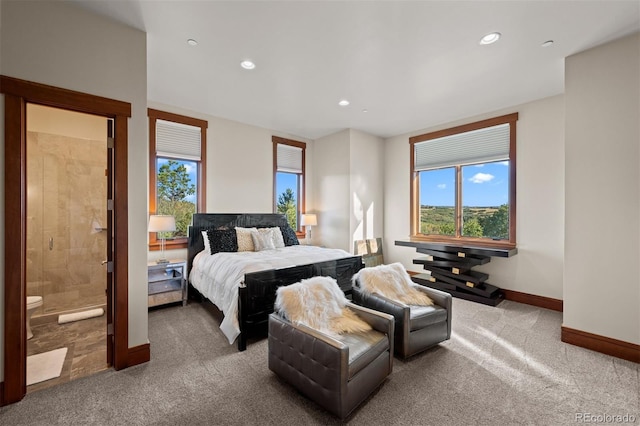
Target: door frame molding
[17,93]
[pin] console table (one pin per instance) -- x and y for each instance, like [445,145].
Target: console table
[450,266]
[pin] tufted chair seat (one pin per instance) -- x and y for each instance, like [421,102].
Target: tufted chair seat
[417,328]
[337,372]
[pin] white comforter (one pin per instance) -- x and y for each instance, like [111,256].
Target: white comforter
[218,276]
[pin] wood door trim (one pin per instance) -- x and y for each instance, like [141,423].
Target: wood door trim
[17,94]
[15,305]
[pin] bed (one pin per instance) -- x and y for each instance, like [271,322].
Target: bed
[242,285]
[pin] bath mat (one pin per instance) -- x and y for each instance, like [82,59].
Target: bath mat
[45,366]
[77,316]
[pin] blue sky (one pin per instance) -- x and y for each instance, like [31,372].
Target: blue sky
[484,185]
[284,181]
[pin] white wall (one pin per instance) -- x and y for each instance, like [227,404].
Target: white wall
[332,188]
[366,184]
[60,45]
[239,167]
[537,268]
[602,248]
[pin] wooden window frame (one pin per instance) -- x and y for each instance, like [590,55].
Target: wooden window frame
[300,232]
[154,114]
[415,187]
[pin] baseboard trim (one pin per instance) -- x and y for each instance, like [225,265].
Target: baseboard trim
[139,355]
[534,300]
[602,344]
[2,403]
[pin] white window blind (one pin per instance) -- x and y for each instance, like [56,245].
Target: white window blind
[477,146]
[178,140]
[289,159]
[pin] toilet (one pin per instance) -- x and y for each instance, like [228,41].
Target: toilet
[33,303]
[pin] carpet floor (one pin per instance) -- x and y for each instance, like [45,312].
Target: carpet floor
[504,365]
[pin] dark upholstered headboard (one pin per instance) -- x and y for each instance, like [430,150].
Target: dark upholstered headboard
[204,221]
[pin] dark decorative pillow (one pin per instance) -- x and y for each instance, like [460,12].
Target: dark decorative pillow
[222,240]
[289,236]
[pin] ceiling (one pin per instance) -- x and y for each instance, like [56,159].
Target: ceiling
[408,64]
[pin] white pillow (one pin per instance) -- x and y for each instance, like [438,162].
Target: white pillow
[262,239]
[205,240]
[245,242]
[278,240]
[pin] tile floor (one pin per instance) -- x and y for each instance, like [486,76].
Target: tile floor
[86,341]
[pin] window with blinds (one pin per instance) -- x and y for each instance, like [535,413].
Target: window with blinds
[463,183]
[177,154]
[288,179]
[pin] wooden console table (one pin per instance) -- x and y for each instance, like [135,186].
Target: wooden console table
[450,266]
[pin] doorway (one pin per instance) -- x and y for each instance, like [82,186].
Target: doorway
[67,233]
[17,94]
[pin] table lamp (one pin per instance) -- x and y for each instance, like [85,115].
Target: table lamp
[162,223]
[308,220]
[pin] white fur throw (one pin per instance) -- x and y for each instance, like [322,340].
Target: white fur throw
[318,303]
[393,282]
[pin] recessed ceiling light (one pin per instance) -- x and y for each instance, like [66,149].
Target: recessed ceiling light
[365,110]
[547,43]
[343,102]
[490,38]
[192,42]
[247,65]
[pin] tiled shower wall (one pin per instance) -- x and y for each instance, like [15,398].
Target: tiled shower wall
[66,202]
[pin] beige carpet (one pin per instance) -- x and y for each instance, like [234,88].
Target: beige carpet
[45,366]
[504,366]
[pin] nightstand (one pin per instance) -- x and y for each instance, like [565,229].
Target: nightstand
[167,282]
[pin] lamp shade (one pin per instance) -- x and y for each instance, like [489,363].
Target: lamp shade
[161,223]
[308,220]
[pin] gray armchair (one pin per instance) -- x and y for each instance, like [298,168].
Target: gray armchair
[417,328]
[337,372]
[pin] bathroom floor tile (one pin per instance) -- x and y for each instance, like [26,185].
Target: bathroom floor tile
[86,341]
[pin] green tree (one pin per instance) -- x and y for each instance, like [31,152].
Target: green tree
[472,228]
[174,186]
[448,228]
[287,205]
[496,225]
[173,182]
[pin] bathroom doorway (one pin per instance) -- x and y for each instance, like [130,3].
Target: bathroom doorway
[17,95]
[67,235]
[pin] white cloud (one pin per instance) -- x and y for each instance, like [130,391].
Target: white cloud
[504,163]
[442,185]
[481,178]
[191,168]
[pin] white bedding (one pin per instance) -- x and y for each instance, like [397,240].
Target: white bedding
[218,276]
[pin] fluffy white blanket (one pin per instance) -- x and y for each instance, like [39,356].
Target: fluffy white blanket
[393,282]
[318,303]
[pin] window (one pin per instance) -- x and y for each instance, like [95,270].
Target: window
[463,184]
[177,154]
[289,179]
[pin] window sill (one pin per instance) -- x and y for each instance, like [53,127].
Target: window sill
[181,243]
[469,242]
